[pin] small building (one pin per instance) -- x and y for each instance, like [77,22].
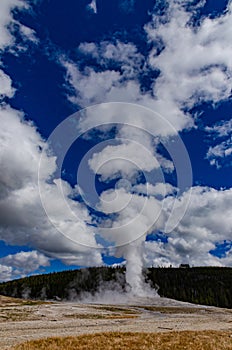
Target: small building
[184,266]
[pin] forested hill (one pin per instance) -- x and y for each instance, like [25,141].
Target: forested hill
[202,285]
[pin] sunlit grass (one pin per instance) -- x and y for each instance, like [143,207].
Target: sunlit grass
[116,309]
[9,301]
[15,309]
[175,309]
[188,340]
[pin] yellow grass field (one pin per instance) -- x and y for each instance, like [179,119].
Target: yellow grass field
[188,340]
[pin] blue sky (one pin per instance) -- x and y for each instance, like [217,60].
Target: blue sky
[129,105]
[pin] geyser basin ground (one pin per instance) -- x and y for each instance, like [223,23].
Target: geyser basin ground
[25,320]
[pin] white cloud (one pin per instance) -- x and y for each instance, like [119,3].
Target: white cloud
[180,252]
[125,56]
[195,64]
[90,87]
[158,190]
[85,83]
[23,220]
[88,49]
[8,23]
[137,215]
[19,156]
[206,222]
[227,260]
[26,262]
[125,159]
[93,6]
[6,89]
[219,154]
[221,129]
[216,153]
[5,272]
[28,33]
[21,264]
[207,215]
[6,17]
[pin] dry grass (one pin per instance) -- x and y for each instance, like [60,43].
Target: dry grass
[175,309]
[99,316]
[14,309]
[116,309]
[188,340]
[9,301]
[15,314]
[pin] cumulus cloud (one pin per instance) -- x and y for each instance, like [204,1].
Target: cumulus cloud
[28,34]
[157,253]
[6,89]
[221,129]
[195,62]
[28,261]
[206,222]
[125,159]
[217,154]
[89,86]
[159,190]
[22,263]
[85,84]
[207,214]
[6,272]
[112,85]
[227,260]
[194,65]
[23,219]
[19,156]
[8,24]
[220,153]
[124,56]
[6,18]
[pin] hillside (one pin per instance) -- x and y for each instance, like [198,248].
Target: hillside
[201,285]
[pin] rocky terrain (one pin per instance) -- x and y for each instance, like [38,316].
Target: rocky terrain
[22,320]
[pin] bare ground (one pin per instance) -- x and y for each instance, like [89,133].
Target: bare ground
[22,321]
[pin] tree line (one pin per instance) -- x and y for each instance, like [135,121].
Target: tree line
[201,285]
